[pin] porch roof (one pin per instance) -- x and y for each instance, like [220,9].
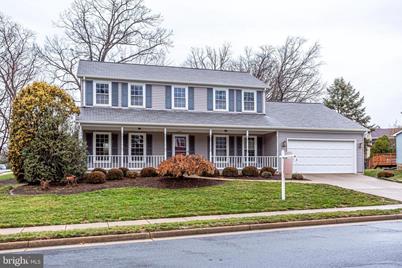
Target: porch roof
[298,116]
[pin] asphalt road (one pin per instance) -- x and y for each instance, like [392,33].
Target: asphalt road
[376,244]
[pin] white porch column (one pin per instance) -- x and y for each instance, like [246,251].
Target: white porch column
[121,146]
[210,145]
[247,147]
[164,142]
[80,134]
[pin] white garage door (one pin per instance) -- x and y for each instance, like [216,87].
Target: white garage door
[323,156]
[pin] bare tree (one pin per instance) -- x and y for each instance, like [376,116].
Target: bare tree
[211,58]
[18,67]
[291,71]
[105,30]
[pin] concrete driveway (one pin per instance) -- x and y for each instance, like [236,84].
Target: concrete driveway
[361,183]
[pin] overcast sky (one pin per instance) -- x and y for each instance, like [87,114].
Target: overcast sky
[361,39]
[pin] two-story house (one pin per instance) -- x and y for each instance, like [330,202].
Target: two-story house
[136,116]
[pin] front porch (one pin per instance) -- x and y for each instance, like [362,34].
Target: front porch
[136,147]
[135,162]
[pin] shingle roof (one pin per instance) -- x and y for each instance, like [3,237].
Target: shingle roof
[309,115]
[167,74]
[379,132]
[278,116]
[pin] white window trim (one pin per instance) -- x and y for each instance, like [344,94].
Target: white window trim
[244,145]
[94,146]
[144,136]
[227,146]
[144,97]
[186,102]
[187,143]
[227,99]
[255,101]
[94,92]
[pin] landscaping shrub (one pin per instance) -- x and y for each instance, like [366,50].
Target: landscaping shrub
[385,174]
[250,171]
[132,174]
[148,172]
[215,173]
[55,151]
[96,177]
[268,169]
[115,174]
[230,172]
[124,170]
[104,171]
[297,176]
[33,107]
[266,174]
[180,165]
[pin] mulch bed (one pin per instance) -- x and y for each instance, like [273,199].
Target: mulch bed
[155,182]
[6,182]
[275,178]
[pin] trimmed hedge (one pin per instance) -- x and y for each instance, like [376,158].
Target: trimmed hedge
[132,174]
[124,170]
[268,169]
[266,174]
[149,172]
[385,174]
[230,172]
[96,177]
[115,174]
[250,171]
[100,169]
[297,176]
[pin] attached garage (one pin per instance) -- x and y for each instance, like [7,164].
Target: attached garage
[323,155]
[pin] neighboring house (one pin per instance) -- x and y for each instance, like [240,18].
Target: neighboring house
[138,115]
[398,143]
[389,132]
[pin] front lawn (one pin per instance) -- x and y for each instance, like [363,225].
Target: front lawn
[139,202]
[373,173]
[7,176]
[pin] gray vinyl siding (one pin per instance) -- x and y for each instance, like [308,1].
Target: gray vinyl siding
[201,144]
[158,97]
[200,99]
[269,144]
[284,135]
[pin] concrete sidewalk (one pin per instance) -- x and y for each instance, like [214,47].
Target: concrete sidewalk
[8,231]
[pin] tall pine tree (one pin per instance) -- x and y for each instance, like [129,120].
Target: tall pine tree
[346,100]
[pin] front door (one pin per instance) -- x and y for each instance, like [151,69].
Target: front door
[180,144]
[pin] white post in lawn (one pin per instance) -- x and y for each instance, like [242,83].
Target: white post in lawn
[247,147]
[164,142]
[210,145]
[283,175]
[121,146]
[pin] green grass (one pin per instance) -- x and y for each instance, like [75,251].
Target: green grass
[373,173]
[188,225]
[138,203]
[7,176]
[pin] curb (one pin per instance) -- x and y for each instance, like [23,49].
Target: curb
[187,232]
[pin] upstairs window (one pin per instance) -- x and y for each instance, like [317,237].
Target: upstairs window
[220,99]
[249,101]
[180,94]
[102,93]
[137,96]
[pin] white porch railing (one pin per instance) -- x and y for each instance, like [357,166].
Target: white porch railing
[116,161]
[139,162]
[242,161]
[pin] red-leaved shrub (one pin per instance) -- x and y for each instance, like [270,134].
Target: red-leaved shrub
[180,165]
